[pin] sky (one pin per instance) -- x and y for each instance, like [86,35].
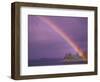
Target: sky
[43,42]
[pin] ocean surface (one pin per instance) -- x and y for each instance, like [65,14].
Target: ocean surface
[49,62]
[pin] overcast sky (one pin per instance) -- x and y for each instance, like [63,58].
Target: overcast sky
[43,42]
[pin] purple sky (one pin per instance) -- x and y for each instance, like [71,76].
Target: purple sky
[43,42]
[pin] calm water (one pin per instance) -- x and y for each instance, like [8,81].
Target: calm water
[47,62]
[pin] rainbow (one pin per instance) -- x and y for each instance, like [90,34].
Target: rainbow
[65,37]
